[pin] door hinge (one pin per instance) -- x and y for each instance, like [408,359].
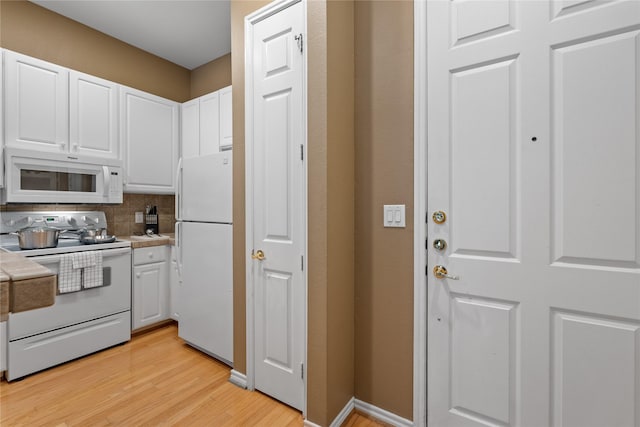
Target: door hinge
[298,38]
[302,370]
[302,262]
[301,152]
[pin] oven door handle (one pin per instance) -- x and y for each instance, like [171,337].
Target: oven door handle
[106,253]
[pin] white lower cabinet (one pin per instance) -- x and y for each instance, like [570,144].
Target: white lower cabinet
[174,287]
[150,286]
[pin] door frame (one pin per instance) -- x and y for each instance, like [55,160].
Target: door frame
[249,21]
[420,282]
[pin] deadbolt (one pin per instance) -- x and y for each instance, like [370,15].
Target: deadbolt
[440,244]
[439,217]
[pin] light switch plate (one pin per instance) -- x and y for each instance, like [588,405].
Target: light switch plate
[394,216]
[139,218]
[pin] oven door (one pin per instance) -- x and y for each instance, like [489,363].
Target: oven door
[58,178]
[77,307]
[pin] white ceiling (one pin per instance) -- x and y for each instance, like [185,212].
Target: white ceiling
[186,32]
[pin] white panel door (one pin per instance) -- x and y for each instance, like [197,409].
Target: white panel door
[37,115]
[149,133]
[534,157]
[93,116]
[209,123]
[226,118]
[190,128]
[278,221]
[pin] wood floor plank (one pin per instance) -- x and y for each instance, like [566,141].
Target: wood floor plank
[153,380]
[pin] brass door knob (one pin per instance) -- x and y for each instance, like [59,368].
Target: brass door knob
[441,273]
[259,255]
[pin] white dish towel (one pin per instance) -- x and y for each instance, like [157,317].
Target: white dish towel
[69,278]
[91,264]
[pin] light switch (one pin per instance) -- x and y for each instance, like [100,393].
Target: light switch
[138,218]
[394,216]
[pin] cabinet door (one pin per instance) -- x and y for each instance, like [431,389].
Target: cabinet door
[149,135]
[93,116]
[226,118]
[209,123]
[190,128]
[149,294]
[37,115]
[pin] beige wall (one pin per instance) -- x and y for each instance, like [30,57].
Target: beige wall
[317,333]
[384,175]
[340,205]
[38,32]
[211,76]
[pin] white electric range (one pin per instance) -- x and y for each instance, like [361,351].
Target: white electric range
[79,323]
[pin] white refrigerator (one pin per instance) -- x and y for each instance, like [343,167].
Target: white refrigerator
[204,253]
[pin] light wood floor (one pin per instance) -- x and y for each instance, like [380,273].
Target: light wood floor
[154,380]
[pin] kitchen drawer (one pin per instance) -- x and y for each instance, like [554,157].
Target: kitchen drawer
[150,255]
[42,351]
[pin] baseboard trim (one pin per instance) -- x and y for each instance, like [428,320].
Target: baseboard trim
[344,414]
[238,378]
[381,414]
[367,409]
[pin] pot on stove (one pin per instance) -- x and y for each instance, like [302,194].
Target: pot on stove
[92,235]
[37,237]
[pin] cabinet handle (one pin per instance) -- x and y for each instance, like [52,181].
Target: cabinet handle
[138,275]
[151,255]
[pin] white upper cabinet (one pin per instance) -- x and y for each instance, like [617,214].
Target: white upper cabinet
[52,108]
[93,116]
[149,135]
[226,118]
[36,103]
[209,123]
[190,129]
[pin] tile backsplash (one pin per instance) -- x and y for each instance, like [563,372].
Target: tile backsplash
[120,218]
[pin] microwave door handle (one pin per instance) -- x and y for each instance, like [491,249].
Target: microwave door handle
[106,175]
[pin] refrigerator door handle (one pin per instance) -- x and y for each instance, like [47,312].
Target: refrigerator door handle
[178,200]
[179,250]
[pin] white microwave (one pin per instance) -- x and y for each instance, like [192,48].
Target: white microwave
[42,177]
